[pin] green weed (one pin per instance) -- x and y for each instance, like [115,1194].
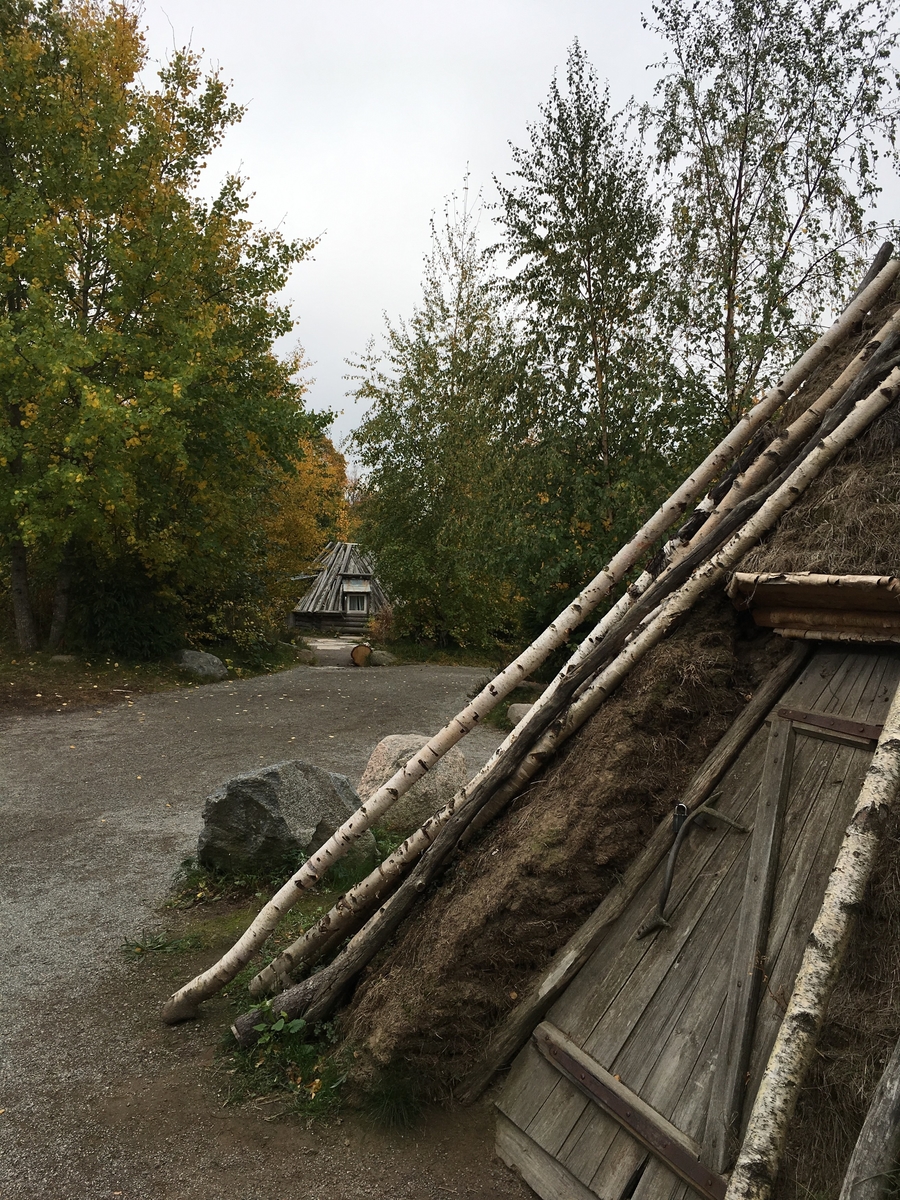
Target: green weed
[149,943]
[293,1058]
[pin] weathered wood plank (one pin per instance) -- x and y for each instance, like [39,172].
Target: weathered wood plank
[648,1040]
[642,1122]
[831,685]
[798,896]
[658,1056]
[875,1157]
[539,1169]
[742,997]
[569,961]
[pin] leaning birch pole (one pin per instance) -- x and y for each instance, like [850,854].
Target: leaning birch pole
[657,625]
[875,351]
[305,998]
[184,1003]
[673,608]
[758,1162]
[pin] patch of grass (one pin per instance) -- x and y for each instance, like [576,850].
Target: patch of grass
[149,943]
[408,650]
[35,681]
[394,1099]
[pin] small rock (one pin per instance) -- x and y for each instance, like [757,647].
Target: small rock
[427,795]
[306,657]
[62,657]
[201,665]
[518,712]
[381,658]
[274,814]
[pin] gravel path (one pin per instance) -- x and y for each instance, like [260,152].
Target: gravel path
[98,808]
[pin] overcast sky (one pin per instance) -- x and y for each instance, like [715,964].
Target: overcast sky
[362,117]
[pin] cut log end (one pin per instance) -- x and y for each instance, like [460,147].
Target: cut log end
[361,654]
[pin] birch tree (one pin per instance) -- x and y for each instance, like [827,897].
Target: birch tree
[580,229]
[436,499]
[771,116]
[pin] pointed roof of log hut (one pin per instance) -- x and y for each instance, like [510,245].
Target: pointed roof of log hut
[341,567]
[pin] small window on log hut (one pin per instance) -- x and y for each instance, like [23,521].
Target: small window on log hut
[836,608]
[356,595]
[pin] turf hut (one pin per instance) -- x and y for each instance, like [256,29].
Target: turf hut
[662,924]
[344,593]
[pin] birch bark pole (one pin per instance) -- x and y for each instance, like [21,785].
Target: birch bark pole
[313,998]
[875,351]
[760,1155]
[380,881]
[184,1003]
[705,577]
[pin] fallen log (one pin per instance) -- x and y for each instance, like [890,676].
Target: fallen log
[756,1169]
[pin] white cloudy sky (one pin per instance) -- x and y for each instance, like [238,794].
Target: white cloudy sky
[361,118]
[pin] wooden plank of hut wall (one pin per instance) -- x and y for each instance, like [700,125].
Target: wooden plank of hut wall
[689,1112]
[825,683]
[742,990]
[805,871]
[664,1035]
[539,1169]
[642,1121]
[678,1087]
[798,897]
[599,999]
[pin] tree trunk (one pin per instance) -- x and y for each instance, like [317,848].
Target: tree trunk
[26,631]
[759,1159]
[61,600]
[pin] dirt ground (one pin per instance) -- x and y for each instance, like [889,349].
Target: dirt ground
[98,807]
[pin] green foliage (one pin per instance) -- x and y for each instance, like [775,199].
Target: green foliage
[144,417]
[522,423]
[599,439]
[291,1057]
[771,115]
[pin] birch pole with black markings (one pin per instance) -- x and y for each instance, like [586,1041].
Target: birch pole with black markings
[756,1169]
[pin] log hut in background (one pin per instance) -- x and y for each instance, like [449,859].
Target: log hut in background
[660,1046]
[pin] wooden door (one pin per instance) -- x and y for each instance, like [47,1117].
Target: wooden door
[625,1090]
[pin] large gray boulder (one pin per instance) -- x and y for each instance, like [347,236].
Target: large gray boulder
[272,815]
[427,795]
[202,665]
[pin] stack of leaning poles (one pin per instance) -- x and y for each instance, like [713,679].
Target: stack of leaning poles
[725,507]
